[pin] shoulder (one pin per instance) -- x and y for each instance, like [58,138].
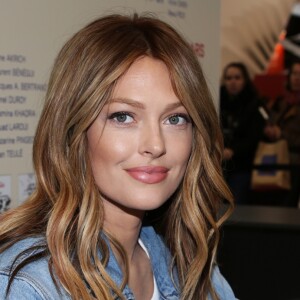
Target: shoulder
[8,256]
[20,289]
[221,286]
[224,99]
[34,280]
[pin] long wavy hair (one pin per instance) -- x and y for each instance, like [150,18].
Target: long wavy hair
[66,207]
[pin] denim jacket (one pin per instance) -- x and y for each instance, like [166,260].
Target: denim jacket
[34,282]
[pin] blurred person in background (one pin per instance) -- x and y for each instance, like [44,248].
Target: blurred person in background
[285,124]
[242,126]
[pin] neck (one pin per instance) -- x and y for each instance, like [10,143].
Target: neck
[123,224]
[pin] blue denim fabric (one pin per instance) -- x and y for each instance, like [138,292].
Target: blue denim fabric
[34,280]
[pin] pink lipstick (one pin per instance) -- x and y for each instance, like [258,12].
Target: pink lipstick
[148,174]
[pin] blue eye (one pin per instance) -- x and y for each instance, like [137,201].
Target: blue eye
[174,120]
[121,117]
[177,119]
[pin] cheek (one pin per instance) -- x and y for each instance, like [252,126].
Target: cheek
[241,84]
[230,86]
[227,84]
[109,149]
[181,149]
[187,152]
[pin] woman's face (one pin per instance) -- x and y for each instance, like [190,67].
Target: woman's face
[141,141]
[295,78]
[234,81]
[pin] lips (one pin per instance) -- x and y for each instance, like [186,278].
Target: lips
[148,174]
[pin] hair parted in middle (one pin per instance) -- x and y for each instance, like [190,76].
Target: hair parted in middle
[66,205]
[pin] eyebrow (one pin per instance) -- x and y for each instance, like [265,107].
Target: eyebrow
[140,105]
[128,102]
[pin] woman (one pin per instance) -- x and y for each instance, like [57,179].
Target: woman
[285,124]
[128,126]
[242,127]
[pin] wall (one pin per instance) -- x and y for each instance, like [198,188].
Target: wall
[32,32]
[250,30]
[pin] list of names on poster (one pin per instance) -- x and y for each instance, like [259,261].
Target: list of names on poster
[176,8]
[17,112]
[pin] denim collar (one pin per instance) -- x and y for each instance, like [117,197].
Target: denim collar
[160,260]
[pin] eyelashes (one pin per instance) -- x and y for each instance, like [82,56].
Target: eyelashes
[121,117]
[127,118]
[178,119]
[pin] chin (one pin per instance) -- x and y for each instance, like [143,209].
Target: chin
[147,204]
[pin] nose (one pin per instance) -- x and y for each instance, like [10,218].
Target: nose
[152,141]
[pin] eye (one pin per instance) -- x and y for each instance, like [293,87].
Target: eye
[177,119]
[121,117]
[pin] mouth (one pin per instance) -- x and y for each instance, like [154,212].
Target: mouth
[148,174]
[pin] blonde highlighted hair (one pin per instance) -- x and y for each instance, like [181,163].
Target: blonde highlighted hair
[65,207]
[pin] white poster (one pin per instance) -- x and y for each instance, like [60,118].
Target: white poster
[26,186]
[5,193]
[33,31]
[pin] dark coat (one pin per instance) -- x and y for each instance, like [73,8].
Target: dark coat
[242,126]
[287,116]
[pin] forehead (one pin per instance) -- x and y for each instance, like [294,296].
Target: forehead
[145,75]
[233,70]
[145,66]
